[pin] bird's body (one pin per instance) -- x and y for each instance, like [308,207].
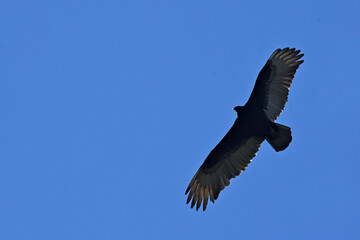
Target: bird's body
[254,124]
[260,127]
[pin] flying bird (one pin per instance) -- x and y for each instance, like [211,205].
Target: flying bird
[254,124]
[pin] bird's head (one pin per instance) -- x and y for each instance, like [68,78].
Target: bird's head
[238,109]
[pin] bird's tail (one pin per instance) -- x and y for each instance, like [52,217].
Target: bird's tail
[280,138]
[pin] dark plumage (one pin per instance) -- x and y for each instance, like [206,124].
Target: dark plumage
[253,125]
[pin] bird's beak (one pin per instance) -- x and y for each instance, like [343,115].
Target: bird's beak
[233,108]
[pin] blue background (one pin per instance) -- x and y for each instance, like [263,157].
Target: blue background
[108,108]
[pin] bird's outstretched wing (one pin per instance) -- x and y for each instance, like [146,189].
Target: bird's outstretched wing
[273,82]
[227,160]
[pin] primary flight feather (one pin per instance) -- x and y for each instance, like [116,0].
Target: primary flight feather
[253,125]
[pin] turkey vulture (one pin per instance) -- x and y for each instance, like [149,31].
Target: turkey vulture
[254,124]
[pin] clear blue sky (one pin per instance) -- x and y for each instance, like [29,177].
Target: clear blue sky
[108,108]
